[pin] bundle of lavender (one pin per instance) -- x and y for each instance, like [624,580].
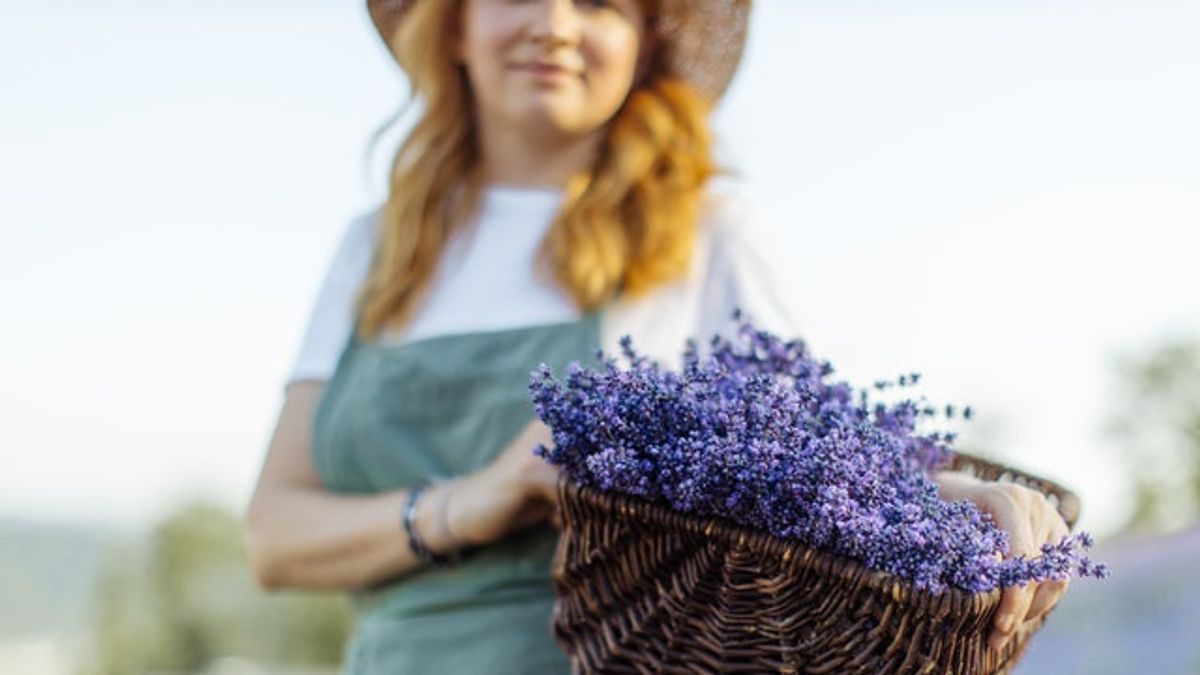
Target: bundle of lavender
[756,432]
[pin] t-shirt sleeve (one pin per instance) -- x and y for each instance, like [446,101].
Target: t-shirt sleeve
[744,272]
[331,319]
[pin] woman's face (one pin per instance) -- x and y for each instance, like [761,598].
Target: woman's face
[560,67]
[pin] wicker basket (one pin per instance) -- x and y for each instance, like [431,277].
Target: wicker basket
[644,589]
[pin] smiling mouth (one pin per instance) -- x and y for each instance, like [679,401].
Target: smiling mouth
[545,69]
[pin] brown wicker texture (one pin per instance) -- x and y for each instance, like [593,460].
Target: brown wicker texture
[644,589]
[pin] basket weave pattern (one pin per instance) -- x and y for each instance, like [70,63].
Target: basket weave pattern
[645,589]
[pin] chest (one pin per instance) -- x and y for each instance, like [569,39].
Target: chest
[394,414]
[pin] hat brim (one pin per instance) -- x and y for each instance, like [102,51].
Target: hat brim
[703,40]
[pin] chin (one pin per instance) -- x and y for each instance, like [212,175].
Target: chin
[543,119]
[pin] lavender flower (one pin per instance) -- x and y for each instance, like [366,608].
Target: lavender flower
[755,431]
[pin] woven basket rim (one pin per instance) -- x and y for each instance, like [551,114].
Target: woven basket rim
[851,571]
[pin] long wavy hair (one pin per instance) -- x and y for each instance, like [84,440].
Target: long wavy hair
[625,226]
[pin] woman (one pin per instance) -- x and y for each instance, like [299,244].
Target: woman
[554,196]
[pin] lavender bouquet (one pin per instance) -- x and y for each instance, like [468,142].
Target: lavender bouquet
[755,431]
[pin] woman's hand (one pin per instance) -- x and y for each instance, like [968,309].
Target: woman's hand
[1030,521]
[516,490]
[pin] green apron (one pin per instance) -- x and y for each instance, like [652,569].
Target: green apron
[433,408]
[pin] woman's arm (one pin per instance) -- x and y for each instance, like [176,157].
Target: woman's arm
[299,534]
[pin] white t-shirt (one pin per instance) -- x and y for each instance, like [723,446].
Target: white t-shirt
[486,282]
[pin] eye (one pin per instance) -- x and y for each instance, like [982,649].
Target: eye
[625,8]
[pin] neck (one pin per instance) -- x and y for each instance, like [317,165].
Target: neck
[518,158]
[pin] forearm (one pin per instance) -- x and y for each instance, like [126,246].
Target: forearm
[311,538]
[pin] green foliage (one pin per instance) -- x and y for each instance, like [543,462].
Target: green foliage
[1158,428]
[184,597]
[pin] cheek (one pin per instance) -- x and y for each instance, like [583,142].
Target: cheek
[611,60]
[487,34]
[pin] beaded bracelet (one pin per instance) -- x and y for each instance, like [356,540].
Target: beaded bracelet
[415,542]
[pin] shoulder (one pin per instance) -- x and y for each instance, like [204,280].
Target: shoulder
[331,316]
[355,248]
[727,214]
[745,263]
[734,240]
[361,232]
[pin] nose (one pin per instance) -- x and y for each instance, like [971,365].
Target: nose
[554,22]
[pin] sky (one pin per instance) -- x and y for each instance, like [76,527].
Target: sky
[1004,197]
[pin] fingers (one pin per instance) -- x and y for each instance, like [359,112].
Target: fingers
[1008,507]
[1014,602]
[543,479]
[543,490]
[1030,521]
[537,432]
[1049,592]
[532,513]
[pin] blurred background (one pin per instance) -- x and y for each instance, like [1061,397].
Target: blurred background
[1004,197]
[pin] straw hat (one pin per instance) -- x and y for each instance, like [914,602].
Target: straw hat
[703,39]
